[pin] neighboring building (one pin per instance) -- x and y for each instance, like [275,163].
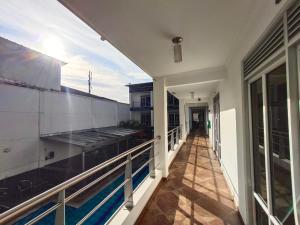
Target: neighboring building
[141,105]
[33,104]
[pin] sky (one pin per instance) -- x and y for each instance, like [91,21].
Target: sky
[48,27]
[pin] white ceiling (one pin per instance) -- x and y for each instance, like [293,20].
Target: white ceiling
[143,29]
[201,90]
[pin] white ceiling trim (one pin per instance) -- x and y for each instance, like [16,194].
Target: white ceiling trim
[197,77]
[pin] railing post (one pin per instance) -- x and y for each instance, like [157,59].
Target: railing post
[152,162]
[177,135]
[172,140]
[128,190]
[60,211]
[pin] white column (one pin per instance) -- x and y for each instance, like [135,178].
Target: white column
[152,118]
[151,104]
[187,119]
[130,105]
[182,118]
[151,98]
[161,124]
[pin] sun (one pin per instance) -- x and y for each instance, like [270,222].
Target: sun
[53,46]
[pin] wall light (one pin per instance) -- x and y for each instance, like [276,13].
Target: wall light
[192,95]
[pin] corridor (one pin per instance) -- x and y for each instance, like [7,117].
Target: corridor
[195,192]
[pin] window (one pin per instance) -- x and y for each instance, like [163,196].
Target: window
[145,101]
[271,148]
[258,139]
[172,100]
[173,119]
[146,119]
[279,150]
[176,119]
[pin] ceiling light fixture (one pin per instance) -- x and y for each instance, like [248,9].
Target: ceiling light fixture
[177,49]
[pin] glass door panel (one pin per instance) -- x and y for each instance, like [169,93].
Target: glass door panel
[281,188]
[259,166]
[261,216]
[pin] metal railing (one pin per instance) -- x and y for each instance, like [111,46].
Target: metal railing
[140,105]
[173,137]
[280,143]
[60,190]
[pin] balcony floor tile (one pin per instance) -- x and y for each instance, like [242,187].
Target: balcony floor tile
[195,191]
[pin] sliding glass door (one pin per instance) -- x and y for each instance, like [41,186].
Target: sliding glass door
[271,168]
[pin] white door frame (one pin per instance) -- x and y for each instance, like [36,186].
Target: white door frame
[293,138]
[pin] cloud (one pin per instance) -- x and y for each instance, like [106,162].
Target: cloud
[29,22]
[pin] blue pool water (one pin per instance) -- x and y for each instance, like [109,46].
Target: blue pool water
[102,215]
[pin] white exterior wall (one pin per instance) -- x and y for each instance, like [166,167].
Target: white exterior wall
[19,130]
[104,113]
[228,135]
[26,113]
[62,112]
[61,151]
[25,65]
[136,116]
[123,112]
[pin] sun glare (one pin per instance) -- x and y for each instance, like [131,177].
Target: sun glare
[53,47]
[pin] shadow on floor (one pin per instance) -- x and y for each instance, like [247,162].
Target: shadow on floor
[195,191]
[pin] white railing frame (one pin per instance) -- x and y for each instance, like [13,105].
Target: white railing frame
[175,135]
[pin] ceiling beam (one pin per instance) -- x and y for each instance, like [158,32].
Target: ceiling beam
[196,77]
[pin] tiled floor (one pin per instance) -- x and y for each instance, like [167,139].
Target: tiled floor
[195,192]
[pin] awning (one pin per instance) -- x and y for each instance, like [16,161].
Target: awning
[92,138]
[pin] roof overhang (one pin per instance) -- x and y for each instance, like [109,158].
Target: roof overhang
[143,30]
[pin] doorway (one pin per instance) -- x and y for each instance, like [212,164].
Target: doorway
[217,137]
[199,119]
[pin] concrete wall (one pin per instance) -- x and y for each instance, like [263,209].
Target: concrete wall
[123,112]
[62,112]
[104,113]
[19,130]
[136,116]
[26,113]
[28,66]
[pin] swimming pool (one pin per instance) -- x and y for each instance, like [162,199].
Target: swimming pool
[101,216]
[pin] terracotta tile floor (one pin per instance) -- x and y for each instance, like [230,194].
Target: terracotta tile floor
[195,191]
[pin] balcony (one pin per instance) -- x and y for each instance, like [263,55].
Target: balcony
[227,176]
[195,191]
[138,107]
[52,206]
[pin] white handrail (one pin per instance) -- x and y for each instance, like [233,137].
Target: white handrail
[25,206]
